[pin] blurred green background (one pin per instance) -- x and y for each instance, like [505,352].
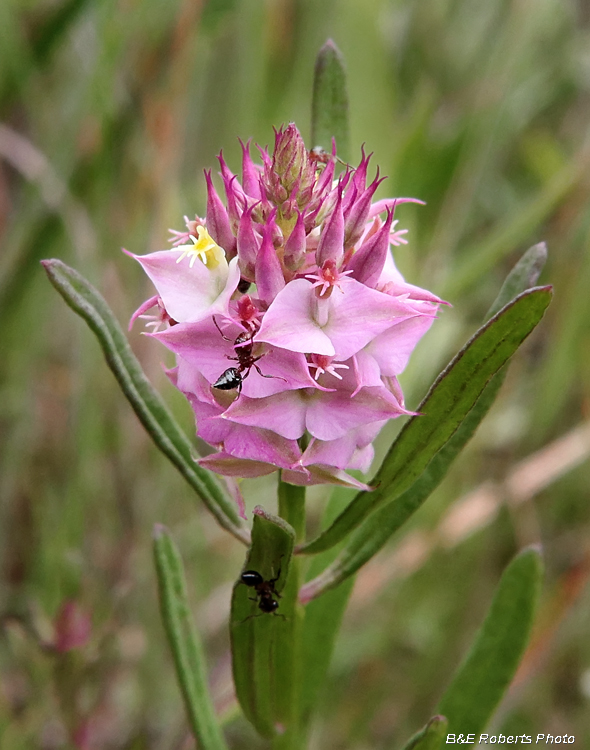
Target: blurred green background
[110,110]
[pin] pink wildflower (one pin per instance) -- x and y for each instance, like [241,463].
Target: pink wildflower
[298,372]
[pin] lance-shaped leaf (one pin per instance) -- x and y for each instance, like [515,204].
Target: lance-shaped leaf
[85,300]
[489,667]
[381,525]
[262,642]
[429,737]
[329,108]
[189,659]
[450,399]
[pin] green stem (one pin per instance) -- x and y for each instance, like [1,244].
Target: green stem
[292,510]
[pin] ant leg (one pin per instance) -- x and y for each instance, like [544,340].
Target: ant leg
[220,331]
[258,370]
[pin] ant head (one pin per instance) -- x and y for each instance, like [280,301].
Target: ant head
[268,604]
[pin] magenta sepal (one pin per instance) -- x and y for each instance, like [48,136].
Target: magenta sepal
[218,224]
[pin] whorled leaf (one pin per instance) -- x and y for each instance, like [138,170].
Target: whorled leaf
[85,300]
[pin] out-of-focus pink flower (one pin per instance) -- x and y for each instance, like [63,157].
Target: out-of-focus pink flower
[72,627]
[288,317]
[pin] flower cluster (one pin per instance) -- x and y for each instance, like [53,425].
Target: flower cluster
[288,318]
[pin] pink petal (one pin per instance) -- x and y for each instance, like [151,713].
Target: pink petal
[189,293]
[283,413]
[289,322]
[223,463]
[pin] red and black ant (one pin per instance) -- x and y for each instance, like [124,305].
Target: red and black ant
[265,592]
[243,345]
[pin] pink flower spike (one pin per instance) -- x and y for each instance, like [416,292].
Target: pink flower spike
[368,262]
[218,223]
[331,245]
[250,175]
[269,274]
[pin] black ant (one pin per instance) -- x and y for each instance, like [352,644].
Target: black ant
[265,592]
[232,377]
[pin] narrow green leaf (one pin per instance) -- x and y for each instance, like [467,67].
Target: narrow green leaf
[429,737]
[489,667]
[258,639]
[85,300]
[329,109]
[524,275]
[450,399]
[376,530]
[381,525]
[189,659]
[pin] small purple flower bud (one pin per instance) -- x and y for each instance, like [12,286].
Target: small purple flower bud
[250,175]
[218,224]
[292,173]
[331,244]
[248,246]
[233,192]
[269,274]
[367,263]
[294,252]
[357,218]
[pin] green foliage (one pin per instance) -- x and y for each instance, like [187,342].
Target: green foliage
[431,737]
[185,645]
[329,118]
[477,109]
[488,669]
[441,413]
[84,299]
[262,643]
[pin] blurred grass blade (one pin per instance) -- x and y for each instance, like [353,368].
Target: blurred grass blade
[430,737]
[491,663]
[482,258]
[260,641]
[329,108]
[450,399]
[85,300]
[186,647]
[323,617]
